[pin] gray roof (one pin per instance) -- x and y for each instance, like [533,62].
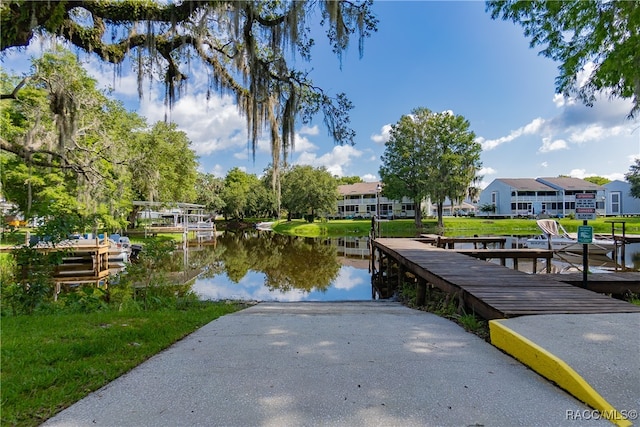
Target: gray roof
[358,189]
[567,183]
[549,184]
[525,184]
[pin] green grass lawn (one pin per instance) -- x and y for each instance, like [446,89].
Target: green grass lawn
[453,226]
[51,361]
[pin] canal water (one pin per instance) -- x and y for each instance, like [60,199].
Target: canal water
[264,266]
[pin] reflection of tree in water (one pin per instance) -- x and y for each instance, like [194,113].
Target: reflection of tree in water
[201,260]
[635,258]
[287,262]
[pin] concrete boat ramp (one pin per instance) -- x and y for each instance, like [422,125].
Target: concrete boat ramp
[374,363]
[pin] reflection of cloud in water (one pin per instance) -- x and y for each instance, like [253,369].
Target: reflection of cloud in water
[250,288]
[348,278]
[350,284]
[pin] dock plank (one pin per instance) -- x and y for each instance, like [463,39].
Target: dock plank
[492,290]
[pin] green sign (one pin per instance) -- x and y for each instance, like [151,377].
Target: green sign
[585,234]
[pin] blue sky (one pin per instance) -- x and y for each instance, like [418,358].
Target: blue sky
[438,55]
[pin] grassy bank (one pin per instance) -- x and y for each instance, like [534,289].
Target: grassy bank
[51,361]
[453,226]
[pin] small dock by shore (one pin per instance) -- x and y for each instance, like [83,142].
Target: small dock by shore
[489,289]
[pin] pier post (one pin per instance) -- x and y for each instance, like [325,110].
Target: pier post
[421,291]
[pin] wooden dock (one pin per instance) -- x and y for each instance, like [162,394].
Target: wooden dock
[514,254]
[490,290]
[605,283]
[450,242]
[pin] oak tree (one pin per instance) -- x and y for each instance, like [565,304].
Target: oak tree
[430,155]
[248,48]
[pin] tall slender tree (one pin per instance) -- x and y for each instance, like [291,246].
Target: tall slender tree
[430,154]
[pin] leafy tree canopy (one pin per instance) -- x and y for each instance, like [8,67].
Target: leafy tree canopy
[208,191]
[633,177]
[598,38]
[346,180]
[598,180]
[247,46]
[430,154]
[309,191]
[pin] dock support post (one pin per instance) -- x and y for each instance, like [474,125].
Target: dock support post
[421,291]
[401,272]
[380,261]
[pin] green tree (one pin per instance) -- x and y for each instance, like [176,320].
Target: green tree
[346,180]
[208,191]
[38,192]
[309,191]
[403,163]
[578,33]
[598,180]
[248,47]
[236,194]
[633,177]
[163,166]
[430,154]
[68,136]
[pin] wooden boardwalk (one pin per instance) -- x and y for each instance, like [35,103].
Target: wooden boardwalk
[491,290]
[609,283]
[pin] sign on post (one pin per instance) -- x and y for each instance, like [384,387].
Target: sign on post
[585,234]
[586,206]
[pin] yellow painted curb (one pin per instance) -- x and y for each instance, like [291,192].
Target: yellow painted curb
[552,368]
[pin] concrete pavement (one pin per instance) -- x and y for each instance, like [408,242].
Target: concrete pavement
[340,364]
[596,357]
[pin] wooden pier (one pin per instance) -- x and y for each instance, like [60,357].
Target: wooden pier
[490,290]
[513,254]
[605,283]
[450,242]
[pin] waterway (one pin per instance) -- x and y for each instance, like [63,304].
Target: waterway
[263,266]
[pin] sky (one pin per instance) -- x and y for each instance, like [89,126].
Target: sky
[439,55]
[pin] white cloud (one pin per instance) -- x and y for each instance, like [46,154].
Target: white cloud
[303,143]
[575,124]
[306,130]
[585,74]
[369,178]
[487,171]
[108,76]
[582,173]
[218,171]
[335,161]
[531,128]
[578,173]
[383,136]
[615,176]
[544,165]
[552,145]
[347,279]
[212,125]
[595,132]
